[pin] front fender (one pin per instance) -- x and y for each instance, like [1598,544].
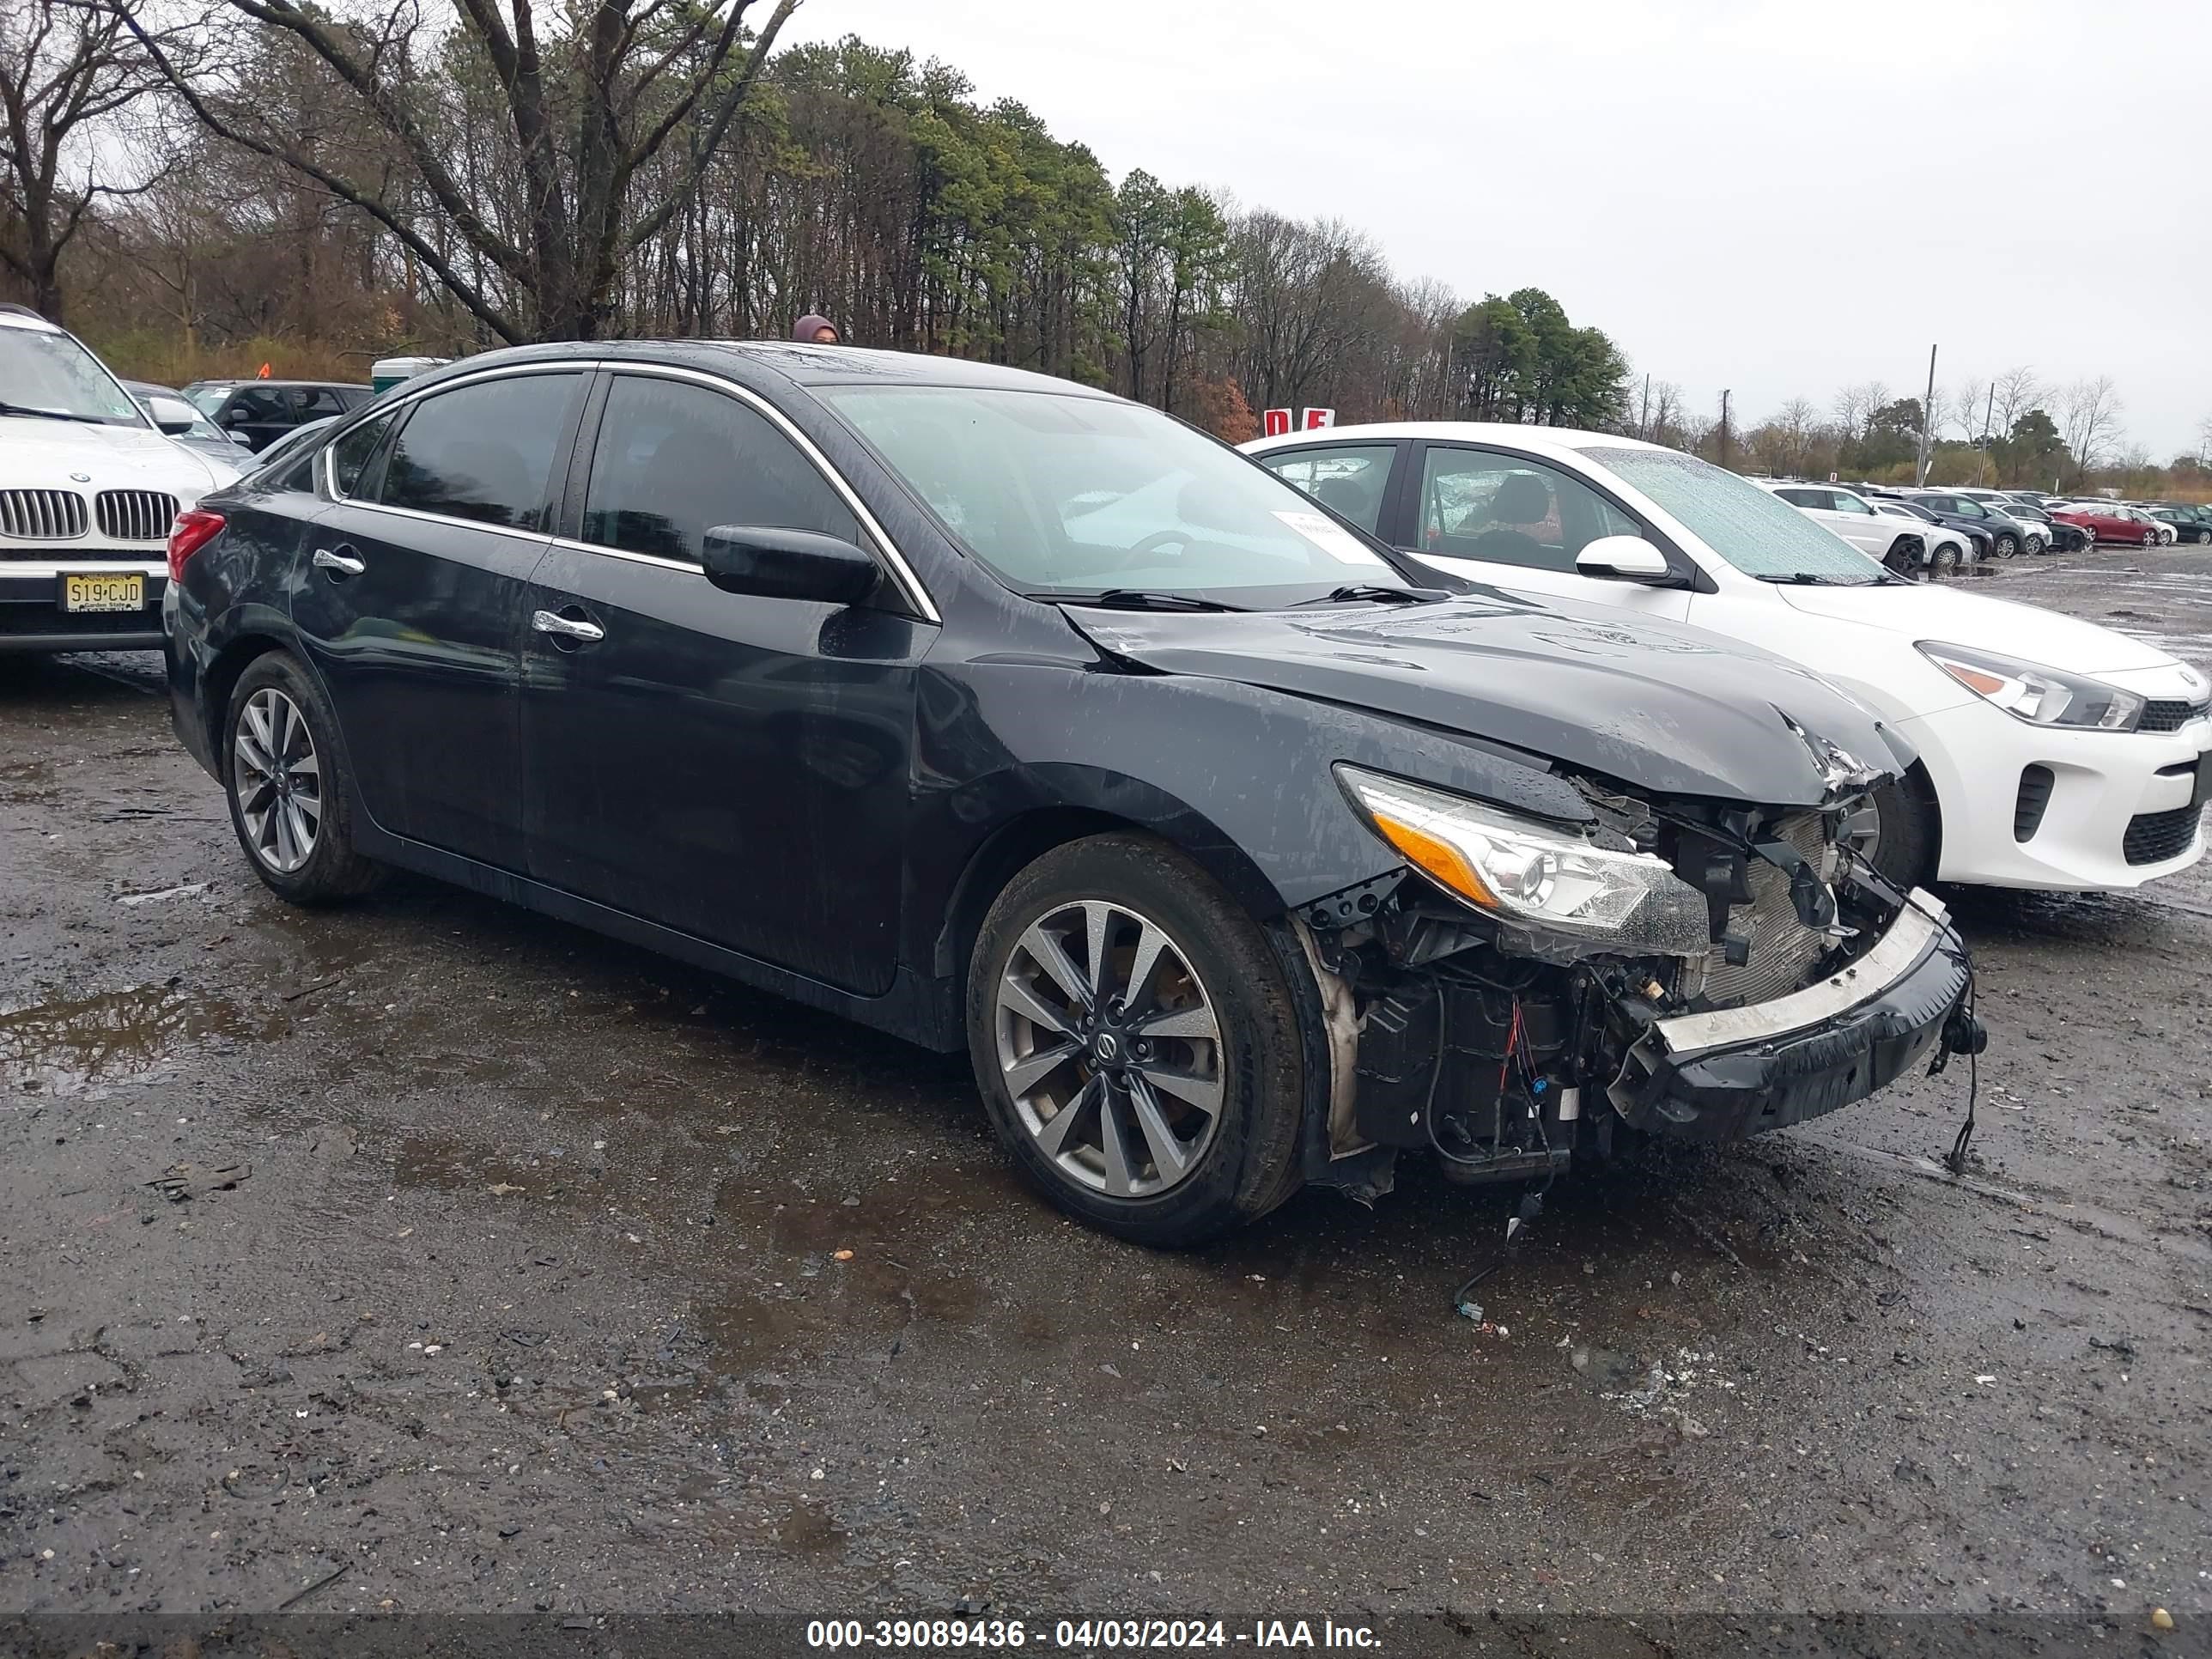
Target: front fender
[1239,776]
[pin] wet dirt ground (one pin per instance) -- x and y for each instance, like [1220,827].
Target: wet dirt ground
[430,1256]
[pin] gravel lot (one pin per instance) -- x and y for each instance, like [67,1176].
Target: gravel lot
[556,1276]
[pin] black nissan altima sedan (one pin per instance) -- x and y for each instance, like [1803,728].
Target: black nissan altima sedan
[1239,851]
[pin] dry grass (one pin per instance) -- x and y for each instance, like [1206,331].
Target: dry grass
[167,359]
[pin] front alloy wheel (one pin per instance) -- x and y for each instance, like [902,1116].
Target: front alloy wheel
[1141,1044]
[1110,1049]
[2150,538]
[1943,562]
[2008,544]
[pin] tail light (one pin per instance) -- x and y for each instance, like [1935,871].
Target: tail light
[194,529]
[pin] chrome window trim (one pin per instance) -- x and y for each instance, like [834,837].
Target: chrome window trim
[569,545]
[887,551]
[383,412]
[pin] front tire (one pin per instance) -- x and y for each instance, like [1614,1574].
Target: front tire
[1137,1045]
[2037,544]
[2008,544]
[289,802]
[1943,562]
[2150,538]
[1898,829]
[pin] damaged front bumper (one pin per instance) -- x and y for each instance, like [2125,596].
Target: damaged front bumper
[1738,1071]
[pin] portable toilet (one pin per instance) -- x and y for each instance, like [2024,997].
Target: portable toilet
[387,372]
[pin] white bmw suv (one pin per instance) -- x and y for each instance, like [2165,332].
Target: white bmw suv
[88,486]
[2053,753]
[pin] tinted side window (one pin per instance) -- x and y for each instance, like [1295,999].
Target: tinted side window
[1812,498]
[1476,505]
[483,452]
[674,460]
[1349,479]
[349,456]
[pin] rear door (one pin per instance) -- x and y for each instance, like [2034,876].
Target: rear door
[1517,522]
[733,767]
[412,602]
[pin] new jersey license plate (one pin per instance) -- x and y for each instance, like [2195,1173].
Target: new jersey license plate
[104,592]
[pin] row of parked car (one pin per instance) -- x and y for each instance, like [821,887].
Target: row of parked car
[1934,532]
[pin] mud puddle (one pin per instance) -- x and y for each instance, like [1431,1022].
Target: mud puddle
[65,1047]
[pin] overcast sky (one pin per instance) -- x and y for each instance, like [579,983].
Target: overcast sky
[1781,198]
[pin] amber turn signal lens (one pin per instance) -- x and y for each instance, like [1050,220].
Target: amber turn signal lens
[1438,859]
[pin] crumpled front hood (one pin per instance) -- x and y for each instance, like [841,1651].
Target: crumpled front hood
[1666,708]
[43,454]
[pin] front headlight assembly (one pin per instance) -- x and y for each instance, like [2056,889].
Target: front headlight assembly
[1533,877]
[2039,696]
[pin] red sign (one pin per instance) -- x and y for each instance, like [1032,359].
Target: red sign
[1275,422]
[1314,419]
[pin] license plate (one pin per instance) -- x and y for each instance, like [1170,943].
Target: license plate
[104,593]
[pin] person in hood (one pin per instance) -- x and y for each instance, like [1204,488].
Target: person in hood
[815,329]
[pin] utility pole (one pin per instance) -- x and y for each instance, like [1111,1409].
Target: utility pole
[1927,420]
[1643,421]
[1724,431]
[1989,413]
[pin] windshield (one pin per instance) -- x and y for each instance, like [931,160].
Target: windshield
[208,398]
[1064,495]
[1760,534]
[52,373]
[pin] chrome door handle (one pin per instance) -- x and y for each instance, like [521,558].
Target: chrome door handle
[550,621]
[341,564]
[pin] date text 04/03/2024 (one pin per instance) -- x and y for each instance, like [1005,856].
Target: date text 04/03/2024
[1087,1635]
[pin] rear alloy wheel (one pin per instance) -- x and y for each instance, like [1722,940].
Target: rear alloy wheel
[1136,1044]
[2008,544]
[2150,538]
[287,802]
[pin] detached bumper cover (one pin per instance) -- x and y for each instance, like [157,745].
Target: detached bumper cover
[1739,1072]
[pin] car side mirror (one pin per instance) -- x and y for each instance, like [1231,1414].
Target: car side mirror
[232,418]
[771,562]
[1624,558]
[172,418]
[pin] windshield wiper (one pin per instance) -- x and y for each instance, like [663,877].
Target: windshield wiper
[1377,592]
[54,415]
[1136,598]
[1806,579]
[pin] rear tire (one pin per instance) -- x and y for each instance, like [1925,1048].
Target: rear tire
[289,805]
[2150,538]
[1159,995]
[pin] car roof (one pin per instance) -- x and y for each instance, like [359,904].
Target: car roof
[762,364]
[15,316]
[343,385]
[1541,440]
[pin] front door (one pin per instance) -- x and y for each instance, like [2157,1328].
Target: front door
[1517,523]
[733,767]
[411,604]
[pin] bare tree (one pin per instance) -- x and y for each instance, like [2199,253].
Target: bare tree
[2091,411]
[1855,406]
[65,71]
[1965,408]
[534,241]
[2017,390]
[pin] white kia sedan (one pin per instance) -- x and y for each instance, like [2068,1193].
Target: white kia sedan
[2054,753]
